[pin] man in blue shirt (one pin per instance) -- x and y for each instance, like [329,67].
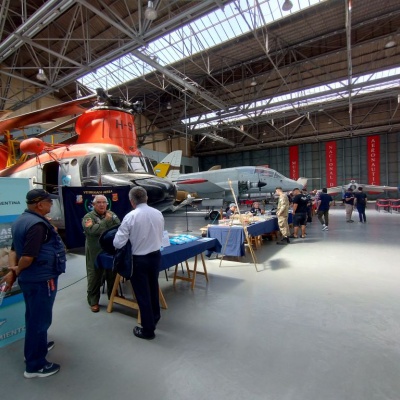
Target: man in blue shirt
[323,204]
[361,203]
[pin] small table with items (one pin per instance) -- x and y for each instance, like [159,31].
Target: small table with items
[231,238]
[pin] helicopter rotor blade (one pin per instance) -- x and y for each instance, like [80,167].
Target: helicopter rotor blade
[57,127]
[47,114]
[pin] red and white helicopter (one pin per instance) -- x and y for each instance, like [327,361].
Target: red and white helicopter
[103,152]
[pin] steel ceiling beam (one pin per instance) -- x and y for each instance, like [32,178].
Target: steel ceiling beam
[43,17]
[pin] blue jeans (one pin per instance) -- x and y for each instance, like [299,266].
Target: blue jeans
[39,300]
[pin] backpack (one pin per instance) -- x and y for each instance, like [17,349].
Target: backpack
[122,260]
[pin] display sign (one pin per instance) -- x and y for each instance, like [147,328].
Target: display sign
[12,310]
[373,159]
[78,202]
[331,164]
[294,162]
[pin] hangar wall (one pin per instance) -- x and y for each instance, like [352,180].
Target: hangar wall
[351,160]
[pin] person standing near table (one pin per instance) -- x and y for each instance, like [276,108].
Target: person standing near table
[282,213]
[322,207]
[144,227]
[37,258]
[349,204]
[360,202]
[94,224]
[300,203]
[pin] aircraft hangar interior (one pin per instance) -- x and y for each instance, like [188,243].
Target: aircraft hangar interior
[210,105]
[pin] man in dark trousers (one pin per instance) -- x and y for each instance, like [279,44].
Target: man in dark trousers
[322,207]
[144,227]
[361,203]
[300,203]
[37,258]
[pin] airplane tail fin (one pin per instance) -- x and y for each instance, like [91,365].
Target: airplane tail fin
[302,181]
[169,166]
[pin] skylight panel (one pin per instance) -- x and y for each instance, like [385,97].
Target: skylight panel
[211,30]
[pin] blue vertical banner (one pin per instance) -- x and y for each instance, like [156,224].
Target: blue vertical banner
[78,202]
[12,311]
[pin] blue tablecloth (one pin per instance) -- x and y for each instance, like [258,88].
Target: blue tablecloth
[234,244]
[171,255]
[230,239]
[258,228]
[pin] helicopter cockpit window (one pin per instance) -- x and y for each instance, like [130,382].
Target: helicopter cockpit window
[89,167]
[114,163]
[137,164]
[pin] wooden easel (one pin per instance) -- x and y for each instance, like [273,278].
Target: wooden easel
[131,303]
[246,233]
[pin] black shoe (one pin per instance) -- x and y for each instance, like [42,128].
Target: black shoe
[284,240]
[138,332]
[48,370]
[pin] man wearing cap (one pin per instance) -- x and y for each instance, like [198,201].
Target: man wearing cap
[232,210]
[37,258]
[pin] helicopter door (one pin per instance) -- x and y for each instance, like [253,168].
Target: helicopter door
[50,177]
[90,171]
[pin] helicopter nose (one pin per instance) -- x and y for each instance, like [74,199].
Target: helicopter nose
[158,190]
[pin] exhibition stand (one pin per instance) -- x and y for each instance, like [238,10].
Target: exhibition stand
[170,256]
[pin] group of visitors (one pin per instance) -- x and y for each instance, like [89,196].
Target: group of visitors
[37,258]
[302,206]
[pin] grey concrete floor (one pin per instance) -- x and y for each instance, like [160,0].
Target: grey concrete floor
[320,321]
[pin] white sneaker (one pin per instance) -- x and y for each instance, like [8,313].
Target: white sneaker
[325,228]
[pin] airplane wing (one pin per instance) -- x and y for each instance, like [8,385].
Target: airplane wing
[378,189]
[336,189]
[48,114]
[202,187]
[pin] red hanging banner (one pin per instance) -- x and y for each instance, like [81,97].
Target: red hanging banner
[373,159]
[331,164]
[294,162]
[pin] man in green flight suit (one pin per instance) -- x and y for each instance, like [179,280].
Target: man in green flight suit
[94,224]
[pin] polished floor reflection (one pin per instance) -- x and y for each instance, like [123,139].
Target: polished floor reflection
[320,321]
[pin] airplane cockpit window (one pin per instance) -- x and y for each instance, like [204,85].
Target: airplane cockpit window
[265,172]
[278,175]
[114,163]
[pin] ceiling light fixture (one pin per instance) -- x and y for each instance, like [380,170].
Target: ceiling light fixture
[287,5]
[151,12]
[169,107]
[253,82]
[390,44]
[41,76]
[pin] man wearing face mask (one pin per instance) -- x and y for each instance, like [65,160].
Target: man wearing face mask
[94,224]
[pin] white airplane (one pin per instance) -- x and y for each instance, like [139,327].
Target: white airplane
[247,183]
[169,167]
[372,189]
